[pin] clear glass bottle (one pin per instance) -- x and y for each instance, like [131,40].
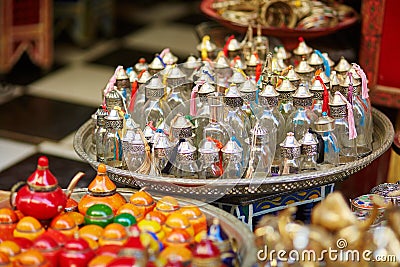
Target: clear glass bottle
[114,99]
[285,104]
[162,151]
[139,98]
[325,126]
[271,118]
[113,153]
[100,132]
[248,91]
[232,160]
[133,146]
[362,118]
[123,84]
[185,165]
[179,89]
[291,153]
[309,152]
[181,128]
[341,112]
[210,164]
[303,117]
[156,108]
[260,156]
[318,89]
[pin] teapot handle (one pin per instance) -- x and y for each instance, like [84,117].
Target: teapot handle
[73,183]
[14,190]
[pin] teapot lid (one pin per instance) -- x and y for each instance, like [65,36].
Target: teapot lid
[343,65]
[102,184]
[42,178]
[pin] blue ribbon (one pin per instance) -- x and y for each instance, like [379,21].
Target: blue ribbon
[209,75]
[129,70]
[162,61]
[326,63]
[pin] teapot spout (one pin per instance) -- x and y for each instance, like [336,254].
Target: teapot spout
[73,183]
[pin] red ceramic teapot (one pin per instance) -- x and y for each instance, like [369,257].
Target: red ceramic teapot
[42,197]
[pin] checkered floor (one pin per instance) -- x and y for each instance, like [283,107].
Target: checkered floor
[40,112]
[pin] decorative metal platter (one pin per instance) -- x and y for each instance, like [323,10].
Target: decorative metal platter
[239,234]
[211,190]
[206,7]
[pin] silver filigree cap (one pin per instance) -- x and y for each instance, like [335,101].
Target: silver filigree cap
[186,148]
[204,78]
[234,45]
[113,116]
[221,62]
[285,86]
[207,44]
[334,79]
[281,52]
[141,65]
[308,140]
[162,141]
[337,101]
[343,65]
[302,92]
[324,123]
[315,60]
[302,49]
[316,86]
[181,127]
[292,75]
[206,88]
[145,77]
[269,91]
[156,64]
[155,83]
[239,63]
[121,74]
[303,67]
[175,73]
[248,87]
[113,98]
[192,62]
[253,60]
[208,146]
[169,58]
[232,147]
[237,77]
[354,73]
[290,141]
[330,61]
[346,82]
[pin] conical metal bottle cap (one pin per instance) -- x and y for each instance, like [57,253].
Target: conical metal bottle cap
[293,77]
[269,96]
[121,74]
[156,65]
[113,120]
[315,61]
[206,88]
[354,73]
[239,63]
[302,97]
[303,67]
[192,63]
[346,82]
[207,44]
[113,99]
[186,152]
[285,86]
[145,77]
[208,150]
[337,101]
[204,78]
[233,98]
[234,45]
[309,144]
[237,77]
[122,79]
[154,88]
[330,61]
[181,127]
[290,148]
[302,49]
[325,78]
[324,124]
[345,85]
[132,76]
[253,60]
[175,77]
[338,107]
[317,90]
[221,62]
[169,58]
[101,114]
[343,65]
[132,141]
[162,144]
[232,147]
[248,90]
[141,65]
[281,53]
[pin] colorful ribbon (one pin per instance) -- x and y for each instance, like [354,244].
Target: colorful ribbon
[193,95]
[325,102]
[359,71]
[350,117]
[111,83]
[326,63]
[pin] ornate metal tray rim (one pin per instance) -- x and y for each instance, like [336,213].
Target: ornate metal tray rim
[235,229]
[250,186]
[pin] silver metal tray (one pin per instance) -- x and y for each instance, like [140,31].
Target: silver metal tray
[211,190]
[238,233]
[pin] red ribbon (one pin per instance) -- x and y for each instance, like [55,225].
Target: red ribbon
[258,71]
[227,44]
[325,102]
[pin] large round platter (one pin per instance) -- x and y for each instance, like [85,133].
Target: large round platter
[204,190]
[238,233]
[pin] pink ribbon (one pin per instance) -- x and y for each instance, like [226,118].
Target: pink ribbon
[359,71]
[350,89]
[350,117]
[111,83]
[164,52]
[193,95]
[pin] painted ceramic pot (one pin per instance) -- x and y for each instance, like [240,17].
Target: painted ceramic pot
[196,218]
[8,222]
[49,248]
[113,234]
[131,209]
[152,226]
[65,224]
[76,252]
[166,205]
[177,253]
[177,220]
[362,207]
[178,237]
[143,201]
[101,191]
[100,214]
[31,258]
[78,218]
[390,191]
[4,260]
[101,261]
[10,248]
[92,231]
[28,227]
[125,219]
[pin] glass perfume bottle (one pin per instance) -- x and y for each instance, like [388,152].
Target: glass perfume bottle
[248,91]
[156,108]
[100,132]
[113,99]
[181,128]
[133,146]
[123,84]
[235,117]
[291,153]
[320,96]
[179,91]
[252,64]
[267,73]
[325,126]
[285,104]
[260,157]
[113,153]
[309,152]
[210,164]
[303,117]
[304,70]
[139,98]
[271,118]
[232,159]
[345,131]
[185,165]
[362,118]
[162,148]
